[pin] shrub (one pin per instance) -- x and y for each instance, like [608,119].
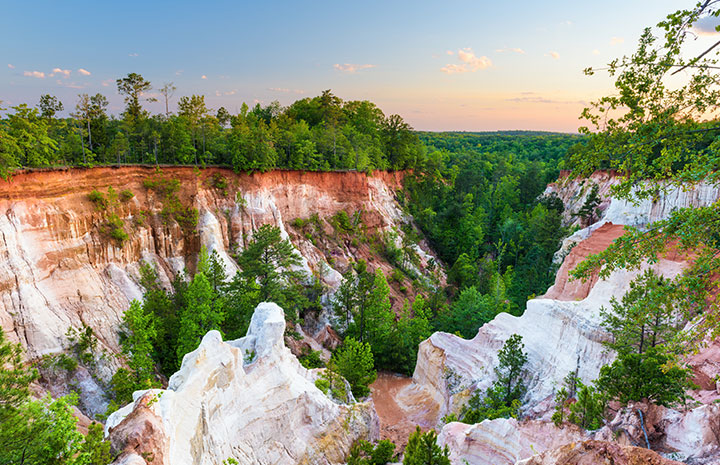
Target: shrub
[363,453]
[126,195]
[311,359]
[354,361]
[99,199]
[423,449]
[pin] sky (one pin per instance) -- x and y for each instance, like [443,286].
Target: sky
[442,65]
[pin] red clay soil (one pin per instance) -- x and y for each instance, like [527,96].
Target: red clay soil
[564,288]
[396,424]
[58,182]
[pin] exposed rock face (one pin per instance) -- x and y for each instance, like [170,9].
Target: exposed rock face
[503,441]
[561,334]
[248,399]
[58,271]
[598,453]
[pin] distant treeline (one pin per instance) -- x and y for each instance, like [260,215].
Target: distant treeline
[319,133]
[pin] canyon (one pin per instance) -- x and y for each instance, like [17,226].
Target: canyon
[60,271]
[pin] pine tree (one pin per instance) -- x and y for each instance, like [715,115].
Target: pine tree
[423,449]
[137,343]
[201,314]
[354,361]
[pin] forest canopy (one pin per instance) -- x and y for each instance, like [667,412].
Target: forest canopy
[314,133]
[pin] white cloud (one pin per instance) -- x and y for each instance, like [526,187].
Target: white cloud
[514,50]
[705,26]
[454,69]
[217,93]
[470,62]
[35,74]
[450,52]
[554,55]
[133,54]
[11,66]
[107,82]
[56,71]
[84,72]
[351,68]
[203,77]
[285,90]
[616,41]
[596,52]
[178,72]
[467,56]
[230,92]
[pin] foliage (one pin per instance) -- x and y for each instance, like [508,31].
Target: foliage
[589,210]
[311,359]
[204,311]
[502,399]
[659,131]
[40,432]
[643,326]
[364,453]
[587,412]
[136,340]
[648,376]
[422,449]
[354,361]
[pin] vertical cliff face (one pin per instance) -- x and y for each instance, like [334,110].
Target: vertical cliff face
[61,269]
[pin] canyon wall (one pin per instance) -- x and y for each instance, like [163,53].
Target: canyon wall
[59,270]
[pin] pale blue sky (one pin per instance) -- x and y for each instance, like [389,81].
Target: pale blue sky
[450,65]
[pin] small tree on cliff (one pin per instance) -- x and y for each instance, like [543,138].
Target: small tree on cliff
[589,211]
[643,325]
[423,449]
[502,399]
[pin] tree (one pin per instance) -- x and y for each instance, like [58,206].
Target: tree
[40,432]
[29,133]
[15,378]
[376,326]
[167,91]
[363,453]
[659,131]
[49,106]
[137,343]
[91,110]
[132,88]
[646,317]
[589,210]
[422,449]
[201,313]
[502,399]
[468,313]
[652,376]
[269,260]
[643,325]
[587,412]
[354,361]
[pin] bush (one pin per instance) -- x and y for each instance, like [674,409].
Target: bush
[354,361]
[311,359]
[650,375]
[363,453]
[126,195]
[99,199]
[423,449]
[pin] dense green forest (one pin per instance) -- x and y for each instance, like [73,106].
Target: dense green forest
[319,133]
[478,199]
